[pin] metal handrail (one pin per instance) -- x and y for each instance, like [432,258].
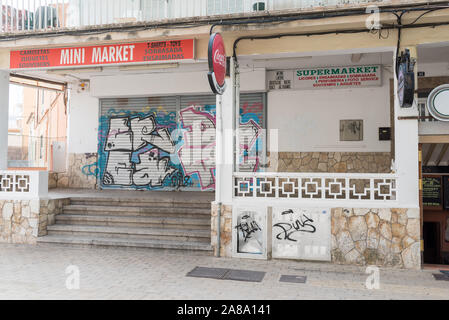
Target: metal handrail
[40,15]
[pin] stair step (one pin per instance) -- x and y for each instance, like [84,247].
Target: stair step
[131,242]
[127,232]
[145,202]
[134,221]
[108,209]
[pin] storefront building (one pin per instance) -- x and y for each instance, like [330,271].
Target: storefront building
[309,153]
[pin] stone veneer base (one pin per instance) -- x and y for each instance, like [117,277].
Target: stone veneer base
[81,173]
[22,221]
[386,237]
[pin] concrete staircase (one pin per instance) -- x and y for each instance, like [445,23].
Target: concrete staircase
[144,222]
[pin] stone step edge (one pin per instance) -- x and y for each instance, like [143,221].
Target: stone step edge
[158,244]
[130,230]
[129,219]
[143,200]
[83,207]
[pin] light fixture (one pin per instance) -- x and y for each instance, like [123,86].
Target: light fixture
[75,71]
[283,59]
[149,66]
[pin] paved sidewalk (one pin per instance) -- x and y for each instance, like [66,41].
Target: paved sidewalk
[30,272]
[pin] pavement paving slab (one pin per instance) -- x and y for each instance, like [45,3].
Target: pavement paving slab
[58,272]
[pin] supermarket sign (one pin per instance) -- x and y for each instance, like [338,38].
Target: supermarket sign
[326,78]
[128,53]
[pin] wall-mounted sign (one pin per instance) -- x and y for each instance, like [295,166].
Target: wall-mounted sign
[338,77]
[280,80]
[217,64]
[438,103]
[142,52]
[326,78]
[431,191]
[351,130]
[406,80]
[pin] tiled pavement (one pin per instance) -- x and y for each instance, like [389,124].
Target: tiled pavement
[30,272]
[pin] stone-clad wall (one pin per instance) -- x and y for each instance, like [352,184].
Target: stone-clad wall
[355,162]
[48,211]
[22,221]
[58,180]
[19,222]
[81,173]
[384,237]
[226,230]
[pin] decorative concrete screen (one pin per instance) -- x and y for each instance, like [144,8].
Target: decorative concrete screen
[302,233]
[250,232]
[23,184]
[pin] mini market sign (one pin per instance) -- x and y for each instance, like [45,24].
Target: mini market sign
[128,53]
[327,78]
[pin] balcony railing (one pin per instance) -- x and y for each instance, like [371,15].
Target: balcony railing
[23,184]
[41,15]
[316,187]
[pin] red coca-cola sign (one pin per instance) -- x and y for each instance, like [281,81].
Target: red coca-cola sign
[217,64]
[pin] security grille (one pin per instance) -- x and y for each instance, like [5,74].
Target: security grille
[169,142]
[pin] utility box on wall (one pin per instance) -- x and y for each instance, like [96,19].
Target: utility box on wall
[281,232]
[59,155]
[302,233]
[251,232]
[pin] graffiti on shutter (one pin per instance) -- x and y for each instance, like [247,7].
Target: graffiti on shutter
[197,148]
[135,149]
[154,148]
[250,136]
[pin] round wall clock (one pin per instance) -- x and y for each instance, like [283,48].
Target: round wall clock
[438,103]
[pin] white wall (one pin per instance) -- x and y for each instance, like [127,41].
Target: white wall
[437,69]
[158,84]
[82,123]
[84,107]
[4,110]
[309,120]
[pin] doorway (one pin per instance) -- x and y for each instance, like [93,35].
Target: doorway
[431,236]
[435,202]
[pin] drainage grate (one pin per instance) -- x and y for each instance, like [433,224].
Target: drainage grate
[245,275]
[227,274]
[211,273]
[293,279]
[441,277]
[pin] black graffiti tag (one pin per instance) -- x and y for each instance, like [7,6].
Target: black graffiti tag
[303,224]
[248,227]
[179,181]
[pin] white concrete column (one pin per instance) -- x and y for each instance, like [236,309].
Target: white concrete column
[4,115]
[225,159]
[406,147]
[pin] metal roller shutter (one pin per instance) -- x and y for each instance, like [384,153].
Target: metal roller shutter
[251,136]
[135,143]
[197,155]
[168,143]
